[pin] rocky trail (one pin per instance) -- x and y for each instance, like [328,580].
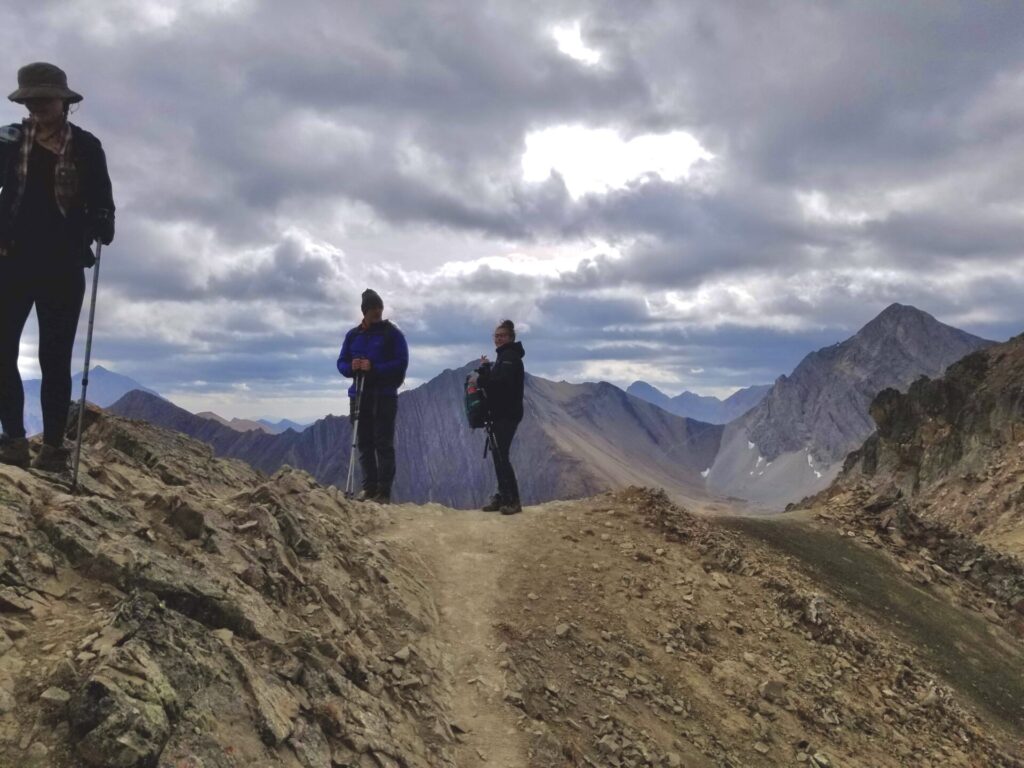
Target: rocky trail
[188,612]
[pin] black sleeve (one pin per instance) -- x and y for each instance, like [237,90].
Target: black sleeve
[8,152]
[500,383]
[101,194]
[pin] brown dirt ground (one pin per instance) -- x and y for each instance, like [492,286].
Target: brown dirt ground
[621,631]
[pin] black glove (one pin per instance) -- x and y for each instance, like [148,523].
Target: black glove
[101,225]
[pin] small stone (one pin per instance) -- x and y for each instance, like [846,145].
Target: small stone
[773,690]
[225,635]
[533,596]
[761,747]
[85,657]
[191,522]
[55,696]
[562,630]
[7,703]
[15,629]
[673,760]
[403,653]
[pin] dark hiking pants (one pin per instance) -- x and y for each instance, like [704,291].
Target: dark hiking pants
[508,489]
[58,302]
[376,441]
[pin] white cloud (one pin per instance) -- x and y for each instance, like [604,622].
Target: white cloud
[600,159]
[569,39]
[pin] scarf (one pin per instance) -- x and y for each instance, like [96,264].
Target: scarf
[65,182]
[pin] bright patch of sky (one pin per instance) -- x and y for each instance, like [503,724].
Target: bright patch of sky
[28,362]
[569,39]
[816,206]
[543,261]
[597,160]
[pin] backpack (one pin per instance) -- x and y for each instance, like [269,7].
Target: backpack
[475,403]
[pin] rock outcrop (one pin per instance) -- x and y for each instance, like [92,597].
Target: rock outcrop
[953,448]
[187,611]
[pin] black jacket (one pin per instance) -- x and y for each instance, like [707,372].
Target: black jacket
[503,382]
[93,183]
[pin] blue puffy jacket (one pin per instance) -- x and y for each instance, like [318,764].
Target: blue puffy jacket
[383,344]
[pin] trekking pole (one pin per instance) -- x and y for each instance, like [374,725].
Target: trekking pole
[85,373]
[350,480]
[491,442]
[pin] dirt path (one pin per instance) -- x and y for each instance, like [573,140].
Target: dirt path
[466,552]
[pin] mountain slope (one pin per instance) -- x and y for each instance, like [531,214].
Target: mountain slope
[952,448]
[105,388]
[792,443]
[575,440]
[704,408]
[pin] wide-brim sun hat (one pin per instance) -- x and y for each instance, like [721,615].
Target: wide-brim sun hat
[43,81]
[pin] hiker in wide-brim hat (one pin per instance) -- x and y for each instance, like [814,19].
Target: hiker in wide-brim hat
[43,81]
[55,201]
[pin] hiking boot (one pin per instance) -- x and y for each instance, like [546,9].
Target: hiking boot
[367,494]
[14,451]
[383,496]
[494,505]
[51,459]
[512,508]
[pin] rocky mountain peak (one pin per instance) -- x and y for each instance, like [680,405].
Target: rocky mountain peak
[954,445]
[815,416]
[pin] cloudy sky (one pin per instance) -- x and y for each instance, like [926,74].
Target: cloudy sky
[691,193]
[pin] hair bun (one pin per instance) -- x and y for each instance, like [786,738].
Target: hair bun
[508,324]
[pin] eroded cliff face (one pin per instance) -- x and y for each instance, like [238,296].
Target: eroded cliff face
[954,447]
[188,611]
[940,484]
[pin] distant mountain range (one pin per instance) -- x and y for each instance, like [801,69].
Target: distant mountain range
[259,425]
[579,439]
[793,442]
[576,440]
[702,407]
[105,388]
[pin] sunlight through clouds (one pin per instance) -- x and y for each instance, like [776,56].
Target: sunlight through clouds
[599,159]
[569,39]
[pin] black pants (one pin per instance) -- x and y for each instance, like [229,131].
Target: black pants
[58,301]
[508,489]
[376,440]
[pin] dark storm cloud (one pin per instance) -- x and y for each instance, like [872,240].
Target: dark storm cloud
[271,160]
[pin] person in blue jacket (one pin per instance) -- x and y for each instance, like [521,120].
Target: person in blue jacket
[376,351]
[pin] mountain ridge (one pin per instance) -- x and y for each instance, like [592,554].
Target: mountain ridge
[576,440]
[706,408]
[792,443]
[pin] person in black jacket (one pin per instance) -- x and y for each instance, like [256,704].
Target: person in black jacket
[55,201]
[502,383]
